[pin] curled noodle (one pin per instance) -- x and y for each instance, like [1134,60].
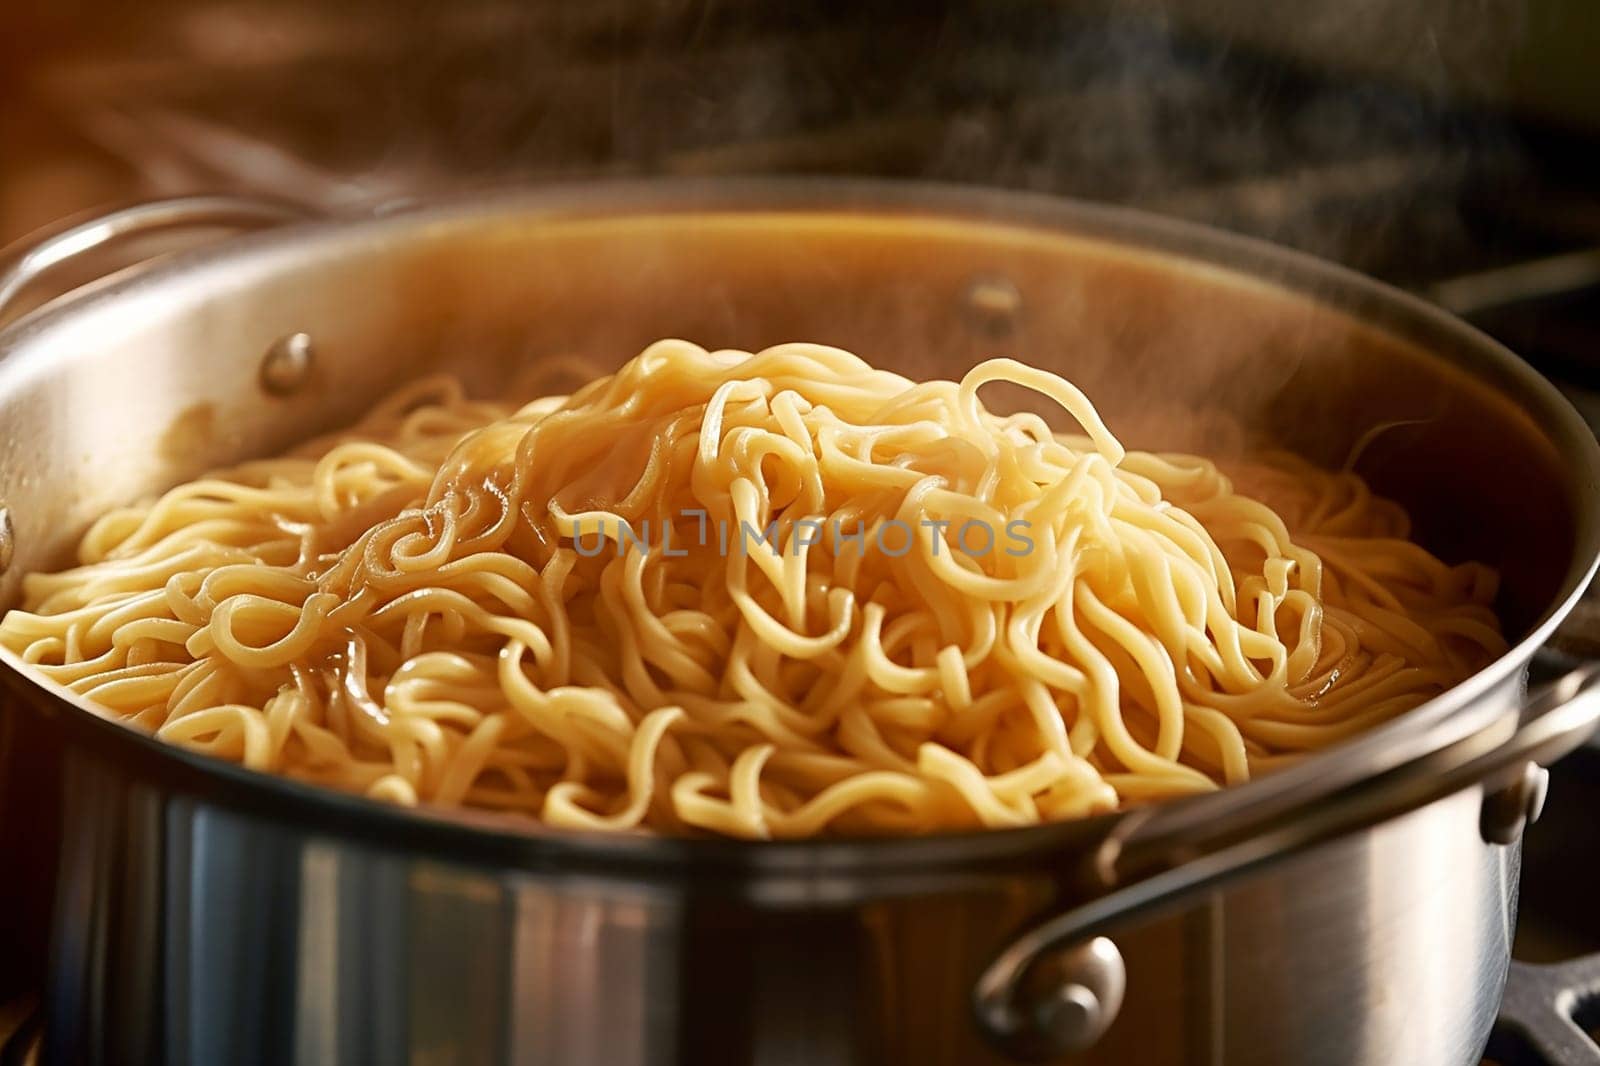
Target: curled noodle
[764,595]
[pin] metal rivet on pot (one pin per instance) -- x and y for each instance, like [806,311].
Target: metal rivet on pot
[1071,1017]
[992,305]
[1073,999]
[1538,789]
[287,364]
[8,539]
[1508,811]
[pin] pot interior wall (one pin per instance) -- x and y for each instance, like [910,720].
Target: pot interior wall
[124,393]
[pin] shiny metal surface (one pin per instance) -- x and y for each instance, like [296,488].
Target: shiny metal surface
[1073,996]
[1510,810]
[286,367]
[209,914]
[216,212]
[232,213]
[194,933]
[1011,1006]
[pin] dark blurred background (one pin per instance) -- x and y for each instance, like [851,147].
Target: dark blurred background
[1336,125]
[1435,143]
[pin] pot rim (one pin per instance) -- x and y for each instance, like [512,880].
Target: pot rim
[1182,245]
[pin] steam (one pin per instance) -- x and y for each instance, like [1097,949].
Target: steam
[1353,129]
[1330,126]
[1318,124]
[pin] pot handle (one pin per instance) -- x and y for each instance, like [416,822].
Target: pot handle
[239,213]
[1029,1015]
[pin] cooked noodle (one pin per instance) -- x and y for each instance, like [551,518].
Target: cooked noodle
[407,609]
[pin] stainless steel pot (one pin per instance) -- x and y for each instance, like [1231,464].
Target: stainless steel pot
[1356,908]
